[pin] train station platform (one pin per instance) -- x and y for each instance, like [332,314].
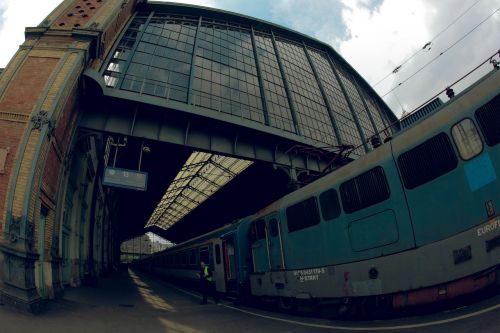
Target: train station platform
[137,303]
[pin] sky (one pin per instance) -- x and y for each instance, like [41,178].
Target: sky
[374,36]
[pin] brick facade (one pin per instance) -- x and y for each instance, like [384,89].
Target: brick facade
[39,105]
[20,100]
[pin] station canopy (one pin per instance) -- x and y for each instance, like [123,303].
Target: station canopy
[201,176]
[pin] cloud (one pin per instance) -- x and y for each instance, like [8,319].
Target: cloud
[3,8]
[17,15]
[380,40]
[371,5]
[320,19]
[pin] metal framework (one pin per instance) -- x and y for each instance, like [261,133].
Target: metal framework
[228,84]
[210,59]
[202,175]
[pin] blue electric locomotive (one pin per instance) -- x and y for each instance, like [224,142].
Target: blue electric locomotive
[413,222]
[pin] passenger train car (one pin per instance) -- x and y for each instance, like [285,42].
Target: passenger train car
[413,222]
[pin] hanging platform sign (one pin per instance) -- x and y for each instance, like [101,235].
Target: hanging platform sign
[124,178]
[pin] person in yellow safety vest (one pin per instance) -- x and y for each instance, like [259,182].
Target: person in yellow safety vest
[207,284]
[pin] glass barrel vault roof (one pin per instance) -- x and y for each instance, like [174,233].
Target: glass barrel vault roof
[202,175]
[247,68]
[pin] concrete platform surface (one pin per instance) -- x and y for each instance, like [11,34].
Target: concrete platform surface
[137,303]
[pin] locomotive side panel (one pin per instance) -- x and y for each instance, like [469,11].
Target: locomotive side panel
[447,189]
[453,213]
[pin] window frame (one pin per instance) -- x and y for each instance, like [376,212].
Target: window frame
[273,224]
[254,231]
[478,131]
[204,249]
[402,174]
[348,206]
[485,131]
[339,204]
[218,259]
[299,203]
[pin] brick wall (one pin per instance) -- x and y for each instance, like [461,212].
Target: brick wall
[78,14]
[16,106]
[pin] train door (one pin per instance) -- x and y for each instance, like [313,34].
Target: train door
[230,264]
[218,272]
[276,258]
[260,249]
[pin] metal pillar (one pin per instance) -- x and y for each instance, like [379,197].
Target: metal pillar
[325,96]
[293,109]
[349,103]
[263,94]
[193,59]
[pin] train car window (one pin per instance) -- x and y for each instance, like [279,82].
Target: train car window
[302,215]
[330,205]
[259,230]
[365,190]
[488,118]
[273,228]
[217,254]
[195,260]
[231,262]
[192,257]
[204,255]
[427,161]
[467,139]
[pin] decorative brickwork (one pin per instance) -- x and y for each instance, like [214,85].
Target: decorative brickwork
[11,132]
[39,93]
[78,14]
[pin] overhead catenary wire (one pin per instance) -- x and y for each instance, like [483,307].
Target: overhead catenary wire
[489,59]
[396,69]
[441,53]
[458,80]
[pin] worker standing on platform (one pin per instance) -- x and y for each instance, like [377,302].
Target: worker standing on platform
[206,283]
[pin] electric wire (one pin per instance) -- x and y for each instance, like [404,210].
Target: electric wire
[428,43]
[443,52]
[489,59]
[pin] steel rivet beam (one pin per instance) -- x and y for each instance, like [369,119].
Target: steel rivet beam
[134,49]
[348,99]
[293,109]
[193,60]
[323,93]
[358,89]
[263,94]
